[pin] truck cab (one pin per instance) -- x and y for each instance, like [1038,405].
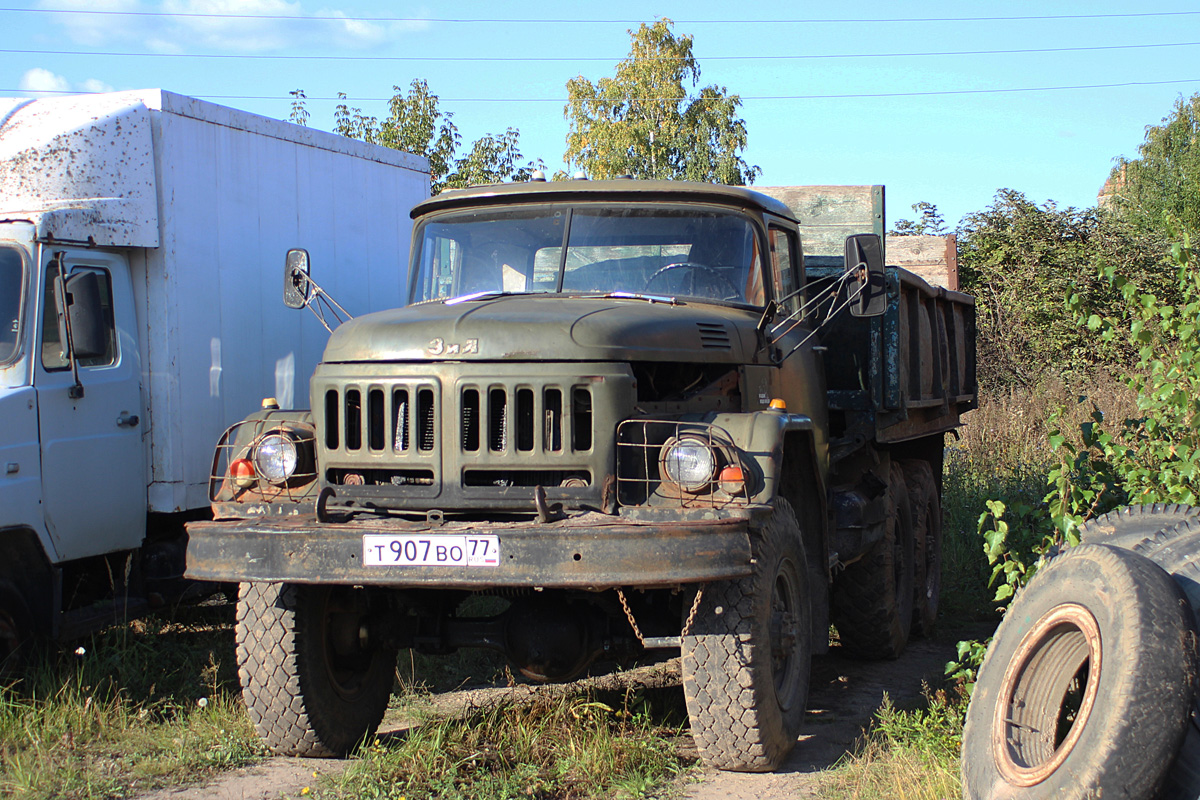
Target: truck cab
[65,408]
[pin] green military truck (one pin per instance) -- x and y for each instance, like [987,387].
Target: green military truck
[648,415]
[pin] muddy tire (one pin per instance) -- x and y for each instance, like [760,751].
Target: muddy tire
[1179,554]
[746,659]
[1087,687]
[16,634]
[873,597]
[310,686]
[1132,527]
[927,544]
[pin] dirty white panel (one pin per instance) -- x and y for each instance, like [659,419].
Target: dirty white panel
[235,201]
[90,153]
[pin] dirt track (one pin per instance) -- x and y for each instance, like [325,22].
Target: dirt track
[843,696]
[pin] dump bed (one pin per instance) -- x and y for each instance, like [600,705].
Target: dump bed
[908,373]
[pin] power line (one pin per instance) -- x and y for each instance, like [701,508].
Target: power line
[498,21]
[542,59]
[609,100]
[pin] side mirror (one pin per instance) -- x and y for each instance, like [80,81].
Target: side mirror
[864,260]
[297,288]
[89,334]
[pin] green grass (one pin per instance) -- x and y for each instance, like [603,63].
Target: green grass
[156,703]
[967,485]
[583,745]
[907,755]
[147,704]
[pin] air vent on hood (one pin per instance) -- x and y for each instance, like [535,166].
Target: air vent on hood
[713,336]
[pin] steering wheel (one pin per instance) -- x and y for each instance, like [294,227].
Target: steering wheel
[717,279]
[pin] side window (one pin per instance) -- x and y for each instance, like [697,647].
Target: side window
[783,268]
[12,287]
[53,357]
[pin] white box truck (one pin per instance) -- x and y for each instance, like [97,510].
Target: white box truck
[142,237]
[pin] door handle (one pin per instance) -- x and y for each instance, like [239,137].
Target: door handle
[126,420]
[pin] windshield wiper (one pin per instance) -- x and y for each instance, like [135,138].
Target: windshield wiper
[485,295]
[652,298]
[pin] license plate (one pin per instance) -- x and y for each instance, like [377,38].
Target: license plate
[386,550]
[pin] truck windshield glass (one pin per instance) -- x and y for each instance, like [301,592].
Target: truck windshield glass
[10,303]
[697,253]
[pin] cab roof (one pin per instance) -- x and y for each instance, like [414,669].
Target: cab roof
[607,191]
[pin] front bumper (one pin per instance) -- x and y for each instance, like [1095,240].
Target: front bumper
[587,551]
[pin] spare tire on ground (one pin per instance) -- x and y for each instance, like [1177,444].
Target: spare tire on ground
[1088,686]
[1132,527]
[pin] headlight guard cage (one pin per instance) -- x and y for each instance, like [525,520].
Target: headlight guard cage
[238,443]
[640,482]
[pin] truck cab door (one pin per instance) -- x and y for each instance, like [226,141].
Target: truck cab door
[93,459]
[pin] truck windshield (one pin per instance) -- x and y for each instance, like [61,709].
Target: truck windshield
[686,252]
[10,302]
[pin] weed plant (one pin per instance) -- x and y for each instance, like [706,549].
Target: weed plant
[1003,453]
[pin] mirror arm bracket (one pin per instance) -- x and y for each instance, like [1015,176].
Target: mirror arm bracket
[64,316]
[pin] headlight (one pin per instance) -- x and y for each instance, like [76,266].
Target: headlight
[275,457]
[689,462]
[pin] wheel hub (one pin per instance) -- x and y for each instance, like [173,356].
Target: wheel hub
[1047,694]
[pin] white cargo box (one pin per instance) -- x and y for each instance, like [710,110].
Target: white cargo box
[205,201]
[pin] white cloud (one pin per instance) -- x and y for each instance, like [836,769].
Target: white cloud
[94,29]
[95,85]
[40,82]
[220,26]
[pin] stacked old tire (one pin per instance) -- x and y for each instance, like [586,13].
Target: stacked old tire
[1089,686]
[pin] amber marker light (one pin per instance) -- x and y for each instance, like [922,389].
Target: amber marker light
[733,480]
[241,472]
[779,404]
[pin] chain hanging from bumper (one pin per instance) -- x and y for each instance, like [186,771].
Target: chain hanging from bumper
[687,625]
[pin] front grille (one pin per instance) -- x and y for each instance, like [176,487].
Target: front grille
[525,419]
[533,477]
[464,435]
[390,422]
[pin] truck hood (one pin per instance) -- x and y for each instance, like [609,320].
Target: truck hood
[550,328]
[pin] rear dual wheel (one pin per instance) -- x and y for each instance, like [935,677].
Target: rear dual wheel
[873,598]
[927,543]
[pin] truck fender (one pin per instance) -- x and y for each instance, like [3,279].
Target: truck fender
[792,463]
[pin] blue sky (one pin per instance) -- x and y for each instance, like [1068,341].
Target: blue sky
[954,145]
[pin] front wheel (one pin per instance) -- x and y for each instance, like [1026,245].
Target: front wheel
[313,683]
[746,660]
